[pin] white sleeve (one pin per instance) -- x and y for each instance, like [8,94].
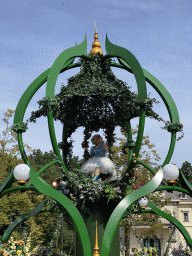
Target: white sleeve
[91,150]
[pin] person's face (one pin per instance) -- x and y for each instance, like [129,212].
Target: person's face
[92,174]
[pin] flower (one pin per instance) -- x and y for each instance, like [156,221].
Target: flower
[20,242]
[5,253]
[81,196]
[13,247]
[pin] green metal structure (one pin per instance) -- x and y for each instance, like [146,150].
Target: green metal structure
[128,62]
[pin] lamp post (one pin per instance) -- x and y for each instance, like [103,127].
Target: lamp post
[54,185]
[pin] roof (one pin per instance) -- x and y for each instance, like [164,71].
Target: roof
[177,195]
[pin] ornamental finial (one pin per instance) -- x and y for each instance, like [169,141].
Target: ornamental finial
[96,46]
[96,248]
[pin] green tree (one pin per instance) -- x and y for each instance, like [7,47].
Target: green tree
[186,168]
[38,159]
[13,204]
[9,137]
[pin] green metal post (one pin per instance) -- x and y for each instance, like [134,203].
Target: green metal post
[90,222]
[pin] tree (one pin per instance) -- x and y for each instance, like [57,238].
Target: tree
[9,137]
[10,204]
[186,169]
[42,225]
[38,159]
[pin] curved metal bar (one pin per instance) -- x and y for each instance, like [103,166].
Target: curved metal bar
[146,166]
[130,138]
[149,168]
[158,86]
[171,148]
[173,220]
[42,169]
[121,209]
[20,219]
[184,182]
[70,208]
[171,188]
[166,97]
[6,191]
[31,90]
[138,142]
[129,58]
[28,94]
[50,89]
[21,148]
[7,181]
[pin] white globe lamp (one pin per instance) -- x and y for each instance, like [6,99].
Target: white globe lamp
[21,173]
[143,202]
[170,173]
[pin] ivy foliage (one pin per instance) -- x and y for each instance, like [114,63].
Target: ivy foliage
[94,99]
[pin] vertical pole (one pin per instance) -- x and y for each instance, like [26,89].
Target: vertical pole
[75,237]
[96,248]
[62,234]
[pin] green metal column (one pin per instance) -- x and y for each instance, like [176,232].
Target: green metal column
[90,222]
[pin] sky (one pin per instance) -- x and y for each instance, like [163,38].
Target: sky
[33,34]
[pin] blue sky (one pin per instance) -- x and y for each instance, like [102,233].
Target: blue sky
[158,33]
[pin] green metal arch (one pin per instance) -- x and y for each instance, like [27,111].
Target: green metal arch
[22,105]
[121,209]
[166,97]
[159,87]
[24,216]
[173,220]
[70,208]
[184,182]
[20,219]
[50,88]
[6,182]
[129,58]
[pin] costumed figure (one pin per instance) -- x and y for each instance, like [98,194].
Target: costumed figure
[99,164]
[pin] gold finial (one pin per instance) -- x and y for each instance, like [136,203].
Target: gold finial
[96,46]
[96,248]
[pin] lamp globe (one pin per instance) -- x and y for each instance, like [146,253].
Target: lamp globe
[143,202]
[170,173]
[21,173]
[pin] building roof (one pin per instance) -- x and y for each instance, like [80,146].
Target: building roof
[177,196]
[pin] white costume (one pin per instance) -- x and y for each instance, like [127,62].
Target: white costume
[100,160]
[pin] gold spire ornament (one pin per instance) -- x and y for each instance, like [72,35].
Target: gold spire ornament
[96,248]
[96,46]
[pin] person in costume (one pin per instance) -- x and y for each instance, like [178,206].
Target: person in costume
[99,164]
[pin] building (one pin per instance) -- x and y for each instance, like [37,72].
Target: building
[180,207]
